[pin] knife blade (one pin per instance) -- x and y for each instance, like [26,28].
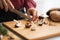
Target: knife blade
[20,14]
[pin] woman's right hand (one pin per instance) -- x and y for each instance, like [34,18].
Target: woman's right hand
[6,4]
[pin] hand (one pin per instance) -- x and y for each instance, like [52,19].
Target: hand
[6,4]
[10,5]
[32,12]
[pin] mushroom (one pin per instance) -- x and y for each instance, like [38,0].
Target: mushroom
[33,29]
[18,23]
[40,23]
[28,25]
[40,17]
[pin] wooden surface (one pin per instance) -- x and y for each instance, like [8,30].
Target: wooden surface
[42,32]
[11,35]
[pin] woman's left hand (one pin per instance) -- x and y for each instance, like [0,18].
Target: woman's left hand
[33,12]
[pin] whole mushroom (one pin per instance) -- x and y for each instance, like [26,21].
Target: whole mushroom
[54,14]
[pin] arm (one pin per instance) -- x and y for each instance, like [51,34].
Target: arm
[29,4]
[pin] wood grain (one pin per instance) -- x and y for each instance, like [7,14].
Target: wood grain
[42,32]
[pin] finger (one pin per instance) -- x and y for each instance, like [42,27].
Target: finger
[5,5]
[28,14]
[36,20]
[34,16]
[10,4]
[1,5]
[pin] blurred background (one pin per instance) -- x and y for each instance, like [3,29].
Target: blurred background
[44,5]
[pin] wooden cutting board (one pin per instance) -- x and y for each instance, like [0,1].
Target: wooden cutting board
[41,32]
[10,34]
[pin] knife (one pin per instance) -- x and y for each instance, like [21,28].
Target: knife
[16,11]
[20,13]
